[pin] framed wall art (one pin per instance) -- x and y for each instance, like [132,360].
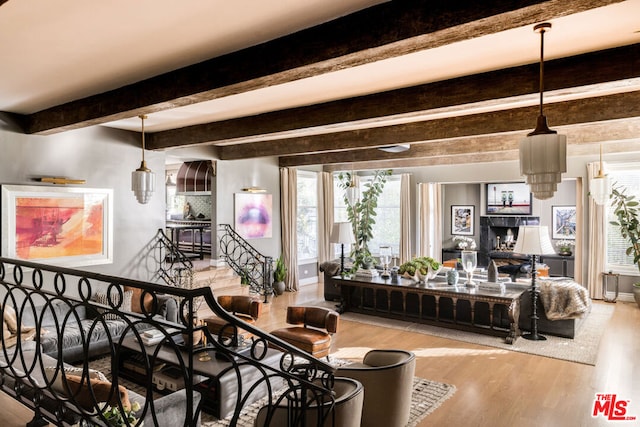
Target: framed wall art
[508,198]
[253,215]
[462,220]
[65,226]
[563,219]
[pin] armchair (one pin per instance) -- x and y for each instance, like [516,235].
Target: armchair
[347,412]
[314,336]
[244,307]
[387,376]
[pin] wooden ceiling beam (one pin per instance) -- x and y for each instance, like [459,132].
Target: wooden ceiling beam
[383,31]
[604,120]
[609,65]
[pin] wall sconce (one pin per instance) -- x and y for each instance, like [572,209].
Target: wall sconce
[599,185]
[543,153]
[60,180]
[254,190]
[143,181]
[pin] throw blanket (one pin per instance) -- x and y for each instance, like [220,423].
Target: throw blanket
[564,299]
[11,329]
[331,267]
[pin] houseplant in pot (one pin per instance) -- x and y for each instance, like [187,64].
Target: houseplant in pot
[279,274]
[626,210]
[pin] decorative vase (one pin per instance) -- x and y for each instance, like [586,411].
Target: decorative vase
[565,252]
[636,293]
[278,288]
[452,277]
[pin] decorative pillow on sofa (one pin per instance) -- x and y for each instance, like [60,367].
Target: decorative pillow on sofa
[78,388]
[58,382]
[102,298]
[10,328]
[135,300]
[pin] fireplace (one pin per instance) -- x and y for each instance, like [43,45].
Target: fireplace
[492,227]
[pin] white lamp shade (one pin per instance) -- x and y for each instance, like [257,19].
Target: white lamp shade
[533,240]
[143,183]
[543,160]
[342,232]
[600,188]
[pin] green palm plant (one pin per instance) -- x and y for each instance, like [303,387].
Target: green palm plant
[361,214]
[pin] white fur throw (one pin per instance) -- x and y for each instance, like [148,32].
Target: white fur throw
[564,299]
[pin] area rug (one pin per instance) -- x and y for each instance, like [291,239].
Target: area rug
[427,396]
[582,349]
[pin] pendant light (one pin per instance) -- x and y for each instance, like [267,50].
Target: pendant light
[543,153]
[143,181]
[599,186]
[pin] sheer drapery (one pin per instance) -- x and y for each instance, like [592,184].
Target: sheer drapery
[288,234]
[405,218]
[325,216]
[430,219]
[597,240]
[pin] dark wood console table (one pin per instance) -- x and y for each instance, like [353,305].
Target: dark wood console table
[493,312]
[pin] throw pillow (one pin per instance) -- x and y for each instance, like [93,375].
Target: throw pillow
[102,298]
[80,390]
[10,328]
[135,300]
[58,382]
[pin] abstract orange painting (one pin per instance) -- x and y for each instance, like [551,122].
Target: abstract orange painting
[68,226]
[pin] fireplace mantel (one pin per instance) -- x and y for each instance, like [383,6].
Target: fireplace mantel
[493,226]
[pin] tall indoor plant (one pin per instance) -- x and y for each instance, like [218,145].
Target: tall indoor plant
[361,213]
[626,210]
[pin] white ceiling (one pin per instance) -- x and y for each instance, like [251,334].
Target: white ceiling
[58,51]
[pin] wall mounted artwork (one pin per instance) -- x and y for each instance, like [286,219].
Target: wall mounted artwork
[508,198]
[63,226]
[462,220]
[253,215]
[563,222]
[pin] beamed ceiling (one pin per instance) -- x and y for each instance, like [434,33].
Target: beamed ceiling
[330,83]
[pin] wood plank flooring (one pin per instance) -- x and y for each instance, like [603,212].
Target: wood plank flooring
[494,387]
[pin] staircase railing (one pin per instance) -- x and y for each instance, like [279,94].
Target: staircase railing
[173,266]
[255,269]
[50,303]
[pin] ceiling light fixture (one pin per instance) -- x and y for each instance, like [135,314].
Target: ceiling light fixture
[599,186]
[398,148]
[143,181]
[351,192]
[543,153]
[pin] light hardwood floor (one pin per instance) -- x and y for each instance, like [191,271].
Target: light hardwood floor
[494,387]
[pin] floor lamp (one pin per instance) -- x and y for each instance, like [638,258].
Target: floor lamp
[342,233]
[533,240]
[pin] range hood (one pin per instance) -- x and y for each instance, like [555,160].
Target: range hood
[195,178]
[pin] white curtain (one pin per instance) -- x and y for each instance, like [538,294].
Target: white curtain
[288,234]
[405,218]
[325,216]
[597,240]
[430,219]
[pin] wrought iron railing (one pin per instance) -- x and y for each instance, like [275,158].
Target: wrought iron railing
[255,269]
[58,321]
[172,265]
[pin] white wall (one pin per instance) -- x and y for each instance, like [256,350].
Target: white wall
[105,158]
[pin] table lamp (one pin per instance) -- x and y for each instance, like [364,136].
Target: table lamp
[342,233]
[533,240]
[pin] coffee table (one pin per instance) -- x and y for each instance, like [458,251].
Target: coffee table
[488,311]
[216,379]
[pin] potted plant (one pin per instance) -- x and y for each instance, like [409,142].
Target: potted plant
[565,247]
[626,210]
[361,214]
[279,274]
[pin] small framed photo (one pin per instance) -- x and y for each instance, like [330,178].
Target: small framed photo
[564,222]
[462,220]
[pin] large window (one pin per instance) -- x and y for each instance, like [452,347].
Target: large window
[386,230]
[307,216]
[627,176]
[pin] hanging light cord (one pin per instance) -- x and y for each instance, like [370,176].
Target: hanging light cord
[142,117]
[542,30]
[541,125]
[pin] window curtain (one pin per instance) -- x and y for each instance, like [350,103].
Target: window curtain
[597,240]
[430,219]
[325,216]
[288,234]
[405,218]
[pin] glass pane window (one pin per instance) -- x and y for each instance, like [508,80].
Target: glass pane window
[307,215]
[626,176]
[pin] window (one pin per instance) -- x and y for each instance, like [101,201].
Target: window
[627,176]
[386,230]
[307,216]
